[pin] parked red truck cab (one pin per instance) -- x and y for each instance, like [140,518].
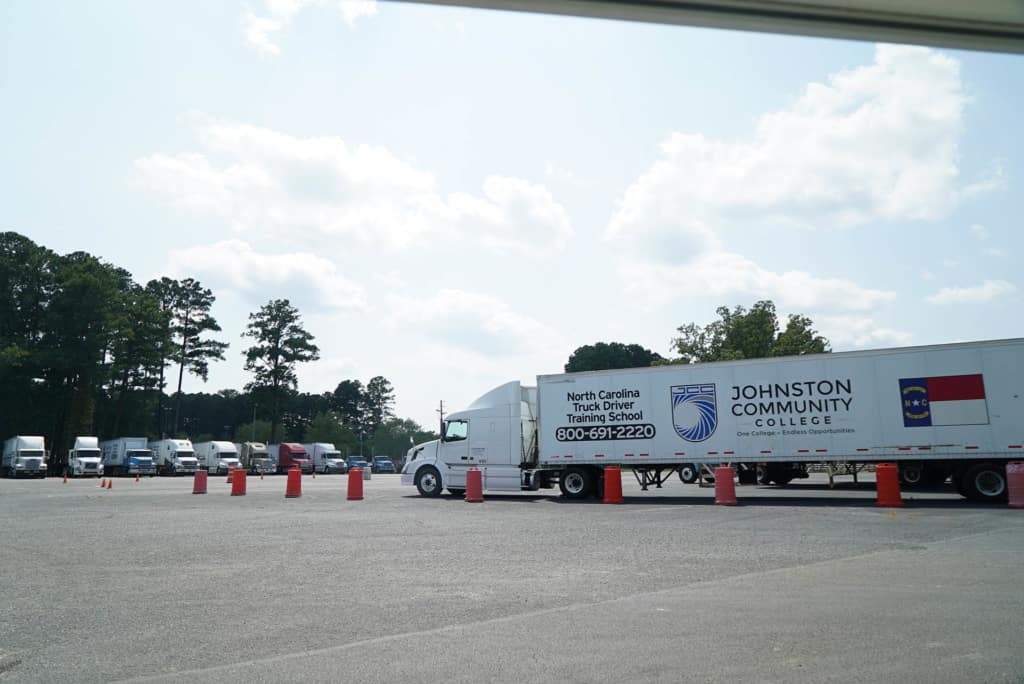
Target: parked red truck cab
[291,455]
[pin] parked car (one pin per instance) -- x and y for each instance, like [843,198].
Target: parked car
[382,464]
[356,462]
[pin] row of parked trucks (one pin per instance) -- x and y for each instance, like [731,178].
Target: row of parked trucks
[26,456]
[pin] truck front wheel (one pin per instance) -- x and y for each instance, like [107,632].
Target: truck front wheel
[576,483]
[428,481]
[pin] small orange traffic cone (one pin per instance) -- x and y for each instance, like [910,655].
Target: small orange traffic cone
[65,478]
[314,474]
[261,475]
[136,477]
[110,483]
[103,483]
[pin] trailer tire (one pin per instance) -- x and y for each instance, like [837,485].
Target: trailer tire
[428,482]
[688,473]
[762,475]
[986,483]
[911,474]
[576,483]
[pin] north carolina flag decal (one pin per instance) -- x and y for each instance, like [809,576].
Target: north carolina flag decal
[949,400]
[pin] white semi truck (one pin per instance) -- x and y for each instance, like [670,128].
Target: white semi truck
[24,456]
[128,456]
[954,409]
[174,456]
[217,457]
[84,459]
[326,459]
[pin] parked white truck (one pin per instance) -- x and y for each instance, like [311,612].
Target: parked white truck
[128,456]
[217,457]
[254,457]
[326,459]
[84,459]
[24,456]
[174,456]
[956,409]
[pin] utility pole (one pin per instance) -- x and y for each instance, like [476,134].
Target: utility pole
[440,410]
[254,404]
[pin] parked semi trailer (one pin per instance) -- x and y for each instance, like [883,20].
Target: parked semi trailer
[288,455]
[955,408]
[84,458]
[24,456]
[128,456]
[217,457]
[174,456]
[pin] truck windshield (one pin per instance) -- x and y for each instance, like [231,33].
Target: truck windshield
[88,453]
[139,453]
[186,454]
[229,455]
[31,453]
[456,430]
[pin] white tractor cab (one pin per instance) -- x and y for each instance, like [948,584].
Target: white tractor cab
[217,457]
[85,459]
[497,434]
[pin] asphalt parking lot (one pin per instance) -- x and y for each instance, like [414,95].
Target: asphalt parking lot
[146,582]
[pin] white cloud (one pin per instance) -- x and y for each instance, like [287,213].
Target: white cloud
[997,252]
[878,142]
[987,291]
[276,183]
[859,331]
[720,273]
[979,231]
[308,280]
[474,322]
[872,144]
[259,29]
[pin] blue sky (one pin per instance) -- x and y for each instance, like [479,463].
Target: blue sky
[456,198]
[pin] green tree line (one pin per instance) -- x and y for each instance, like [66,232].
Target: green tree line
[739,333]
[85,350]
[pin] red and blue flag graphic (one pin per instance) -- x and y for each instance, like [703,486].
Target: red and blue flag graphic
[945,400]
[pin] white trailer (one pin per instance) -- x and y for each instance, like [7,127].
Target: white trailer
[84,459]
[254,457]
[24,456]
[174,456]
[955,409]
[217,457]
[128,456]
[326,459]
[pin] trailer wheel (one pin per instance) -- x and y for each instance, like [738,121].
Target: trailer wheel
[576,483]
[911,474]
[688,473]
[986,483]
[762,475]
[428,481]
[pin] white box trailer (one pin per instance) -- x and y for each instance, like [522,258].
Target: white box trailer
[24,456]
[326,458]
[128,456]
[955,409]
[84,458]
[174,456]
[217,457]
